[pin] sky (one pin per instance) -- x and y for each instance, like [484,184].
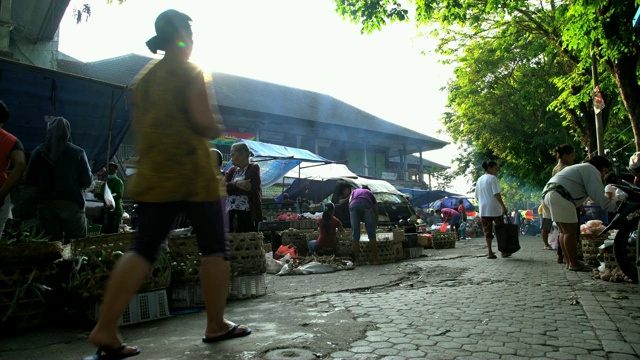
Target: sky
[298,43]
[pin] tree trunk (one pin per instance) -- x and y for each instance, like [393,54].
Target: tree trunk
[624,72]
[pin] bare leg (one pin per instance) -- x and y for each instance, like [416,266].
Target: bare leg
[490,254]
[215,278]
[568,242]
[125,279]
[545,237]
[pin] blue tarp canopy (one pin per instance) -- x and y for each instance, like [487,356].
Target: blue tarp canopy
[418,198]
[96,110]
[276,160]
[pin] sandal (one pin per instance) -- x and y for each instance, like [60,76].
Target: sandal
[106,353]
[492,256]
[547,247]
[581,268]
[231,334]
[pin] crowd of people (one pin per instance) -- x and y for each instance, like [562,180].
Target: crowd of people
[217,204]
[563,200]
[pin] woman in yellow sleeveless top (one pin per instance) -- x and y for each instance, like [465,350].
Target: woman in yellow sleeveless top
[173,123]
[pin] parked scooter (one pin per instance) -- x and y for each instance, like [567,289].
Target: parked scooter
[626,220]
[529,227]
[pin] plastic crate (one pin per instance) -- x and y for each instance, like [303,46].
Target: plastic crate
[143,307]
[410,241]
[186,296]
[594,213]
[247,287]
[412,253]
[94,229]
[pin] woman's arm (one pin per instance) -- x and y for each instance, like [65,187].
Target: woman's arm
[201,117]
[499,198]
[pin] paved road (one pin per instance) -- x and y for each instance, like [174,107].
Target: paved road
[447,304]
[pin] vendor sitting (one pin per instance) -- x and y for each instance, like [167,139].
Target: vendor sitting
[287,203]
[327,224]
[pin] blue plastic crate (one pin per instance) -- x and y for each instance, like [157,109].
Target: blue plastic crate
[595,213]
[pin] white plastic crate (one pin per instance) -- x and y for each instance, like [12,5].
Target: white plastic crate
[143,307]
[187,296]
[243,287]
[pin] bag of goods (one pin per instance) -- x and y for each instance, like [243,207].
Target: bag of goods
[592,227]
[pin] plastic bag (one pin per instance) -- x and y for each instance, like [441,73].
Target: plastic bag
[273,266]
[444,226]
[284,250]
[108,198]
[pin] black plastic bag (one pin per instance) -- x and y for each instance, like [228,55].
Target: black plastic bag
[507,237]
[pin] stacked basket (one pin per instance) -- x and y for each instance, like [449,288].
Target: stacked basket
[589,247]
[22,303]
[94,257]
[299,239]
[389,250]
[247,266]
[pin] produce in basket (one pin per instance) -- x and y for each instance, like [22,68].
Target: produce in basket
[592,227]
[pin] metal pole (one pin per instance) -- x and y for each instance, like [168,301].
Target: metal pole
[599,129]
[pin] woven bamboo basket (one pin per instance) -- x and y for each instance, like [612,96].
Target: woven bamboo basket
[443,240]
[607,257]
[299,239]
[388,252]
[246,257]
[589,244]
[33,253]
[247,254]
[345,244]
[95,257]
[22,303]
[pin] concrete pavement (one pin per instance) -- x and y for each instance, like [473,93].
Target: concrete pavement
[447,304]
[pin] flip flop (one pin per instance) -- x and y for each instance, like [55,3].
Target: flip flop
[492,256]
[581,268]
[548,248]
[105,353]
[231,334]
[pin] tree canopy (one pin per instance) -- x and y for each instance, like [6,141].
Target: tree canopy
[522,81]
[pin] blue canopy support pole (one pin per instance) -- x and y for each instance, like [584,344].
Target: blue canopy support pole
[420,167]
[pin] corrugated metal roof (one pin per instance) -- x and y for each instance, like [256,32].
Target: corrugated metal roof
[245,98]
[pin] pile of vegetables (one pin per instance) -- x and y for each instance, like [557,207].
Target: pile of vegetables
[18,232]
[611,275]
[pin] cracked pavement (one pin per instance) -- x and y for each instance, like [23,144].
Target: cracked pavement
[447,304]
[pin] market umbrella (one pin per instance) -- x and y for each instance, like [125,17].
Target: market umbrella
[450,202]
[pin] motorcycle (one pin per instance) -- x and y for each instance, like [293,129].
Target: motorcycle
[529,227]
[626,221]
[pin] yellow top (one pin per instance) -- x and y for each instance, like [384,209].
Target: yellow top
[174,161]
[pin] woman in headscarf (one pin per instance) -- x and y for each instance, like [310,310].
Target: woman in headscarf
[60,171]
[244,186]
[172,119]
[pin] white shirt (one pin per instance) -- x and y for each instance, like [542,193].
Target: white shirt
[486,189]
[584,181]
